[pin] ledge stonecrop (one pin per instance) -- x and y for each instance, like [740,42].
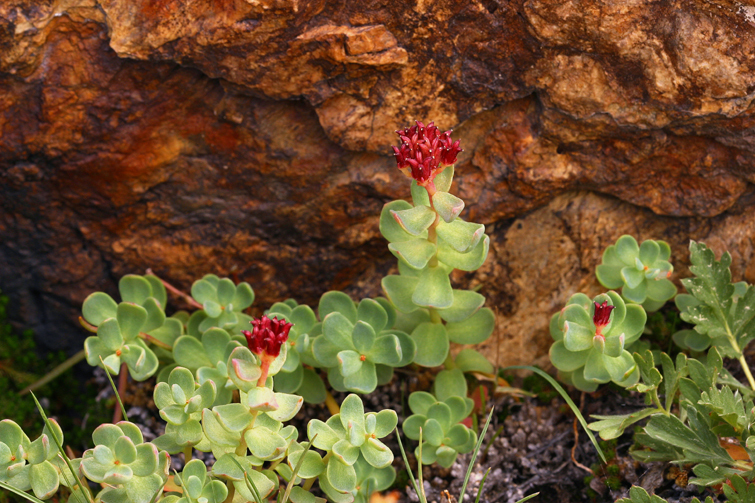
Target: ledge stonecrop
[430,240]
[230,391]
[424,151]
[641,271]
[591,335]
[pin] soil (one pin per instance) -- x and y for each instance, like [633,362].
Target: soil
[527,448]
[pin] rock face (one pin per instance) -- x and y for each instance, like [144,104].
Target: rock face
[251,138]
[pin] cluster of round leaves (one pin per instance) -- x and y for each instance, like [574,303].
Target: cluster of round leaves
[137,332]
[131,470]
[440,417]
[430,241]
[641,271]
[355,343]
[586,358]
[122,328]
[354,452]
[31,465]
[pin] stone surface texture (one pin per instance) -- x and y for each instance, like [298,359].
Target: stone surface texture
[251,138]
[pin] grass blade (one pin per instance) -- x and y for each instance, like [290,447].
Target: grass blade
[408,467]
[482,483]
[19,492]
[474,456]
[290,484]
[55,372]
[249,482]
[419,470]
[527,498]
[117,395]
[58,443]
[568,400]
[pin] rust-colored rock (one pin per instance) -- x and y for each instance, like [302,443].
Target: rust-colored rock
[252,138]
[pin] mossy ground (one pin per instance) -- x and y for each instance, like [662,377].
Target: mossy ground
[70,402]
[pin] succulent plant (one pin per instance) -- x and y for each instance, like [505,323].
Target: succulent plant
[294,377]
[197,486]
[439,416]
[356,342]
[346,437]
[181,401]
[223,303]
[29,465]
[430,240]
[133,470]
[118,341]
[641,271]
[590,336]
[208,358]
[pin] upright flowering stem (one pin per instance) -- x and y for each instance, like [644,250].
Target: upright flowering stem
[423,153]
[264,340]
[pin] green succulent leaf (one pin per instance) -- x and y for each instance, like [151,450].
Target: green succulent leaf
[98,307]
[449,383]
[415,252]
[399,290]
[469,261]
[433,289]
[432,344]
[447,205]
[460,235]
[337,302]
[415,220]
[389,227]
[473,330]
[469,360]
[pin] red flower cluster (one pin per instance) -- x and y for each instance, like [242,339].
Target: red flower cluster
[267,336]
[424,149]
[602,314]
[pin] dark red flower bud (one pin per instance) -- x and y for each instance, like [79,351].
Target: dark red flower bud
[602,314]
[424,151]
[267,336]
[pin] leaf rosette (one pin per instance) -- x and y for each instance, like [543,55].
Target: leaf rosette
[118,341]
[590,336]
[208,357]
[222,303]
[197,486]
[641,271]
[180,401]
[346,437]
[440,417]
[29,465]
[133,470]
[358,347]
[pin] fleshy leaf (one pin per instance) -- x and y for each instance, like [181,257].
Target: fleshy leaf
[447,205]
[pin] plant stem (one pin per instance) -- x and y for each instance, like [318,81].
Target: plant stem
[309,483]
[122,383]
[155,341]
[187,454]
[747,372]
[55,372]
[188,298]
[331,404]
[231,491]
